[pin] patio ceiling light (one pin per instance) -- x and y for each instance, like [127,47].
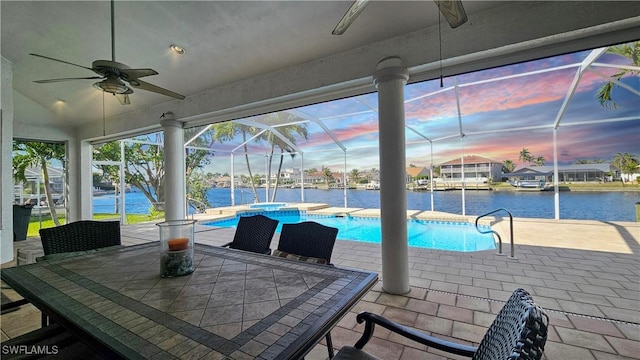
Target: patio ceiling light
[177,48]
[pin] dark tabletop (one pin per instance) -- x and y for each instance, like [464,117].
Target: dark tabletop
[235,305]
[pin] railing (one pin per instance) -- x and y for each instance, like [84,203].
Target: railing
[199,206]
[498,235]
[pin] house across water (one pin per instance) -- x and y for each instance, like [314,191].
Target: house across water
[568,173]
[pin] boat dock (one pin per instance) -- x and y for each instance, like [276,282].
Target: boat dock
[445,186]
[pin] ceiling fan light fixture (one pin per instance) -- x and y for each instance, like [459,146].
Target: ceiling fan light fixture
[112,85]
[453,11]
[177,49]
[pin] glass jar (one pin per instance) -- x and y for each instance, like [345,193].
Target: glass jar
[176,247]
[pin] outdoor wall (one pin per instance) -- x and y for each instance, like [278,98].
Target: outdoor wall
[6,188]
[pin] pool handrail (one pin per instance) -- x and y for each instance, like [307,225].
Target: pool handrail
[199,206]
[496,233]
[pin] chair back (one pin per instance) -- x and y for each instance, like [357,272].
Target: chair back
[80,236]
[254,233]
[309,239]
[518,332]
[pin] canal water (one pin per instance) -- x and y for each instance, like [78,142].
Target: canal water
[592,205]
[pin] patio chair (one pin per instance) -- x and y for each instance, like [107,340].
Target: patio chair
[307,241]
[310,242]
[519,332]
[80,235]
[73,239]
[77,238]
[254,233]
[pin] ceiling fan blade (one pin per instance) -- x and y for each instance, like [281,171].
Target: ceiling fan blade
[139,84]
[132,74]
[123,98]
[351,14]
[65,79]
[62,61]
[453,11]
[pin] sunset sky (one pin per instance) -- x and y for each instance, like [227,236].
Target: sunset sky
[487,108]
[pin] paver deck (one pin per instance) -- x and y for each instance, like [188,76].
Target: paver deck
[585,274]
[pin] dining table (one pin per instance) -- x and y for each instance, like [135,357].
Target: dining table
[234,305]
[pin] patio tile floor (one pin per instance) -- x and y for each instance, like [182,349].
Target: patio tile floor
[585,274]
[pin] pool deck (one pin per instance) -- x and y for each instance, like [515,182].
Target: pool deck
[585,274]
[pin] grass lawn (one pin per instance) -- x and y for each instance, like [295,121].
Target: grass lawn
[34,223]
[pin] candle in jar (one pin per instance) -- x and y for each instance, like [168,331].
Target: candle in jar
[178,244]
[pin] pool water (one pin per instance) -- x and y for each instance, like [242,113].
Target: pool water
[442,235]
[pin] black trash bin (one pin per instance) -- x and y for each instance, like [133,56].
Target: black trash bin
[21,217]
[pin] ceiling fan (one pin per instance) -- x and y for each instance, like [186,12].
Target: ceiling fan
[452,10]
[115,75]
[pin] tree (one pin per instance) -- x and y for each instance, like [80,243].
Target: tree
[144,167]
[355,175]
[508,166]
[326,174]
[196,158]
[290,133]
[226,131]
[525,156]
[33,153]
[540,161]
[626,163]
[630,51]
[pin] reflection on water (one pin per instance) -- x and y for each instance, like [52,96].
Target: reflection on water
[605,206]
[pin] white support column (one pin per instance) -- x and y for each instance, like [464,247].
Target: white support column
[175,198]
[80,200]
[6,164]
[390,78]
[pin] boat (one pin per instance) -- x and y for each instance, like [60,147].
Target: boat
[373,186]
[540,185]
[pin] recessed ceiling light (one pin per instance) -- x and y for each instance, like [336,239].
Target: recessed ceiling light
[177,48]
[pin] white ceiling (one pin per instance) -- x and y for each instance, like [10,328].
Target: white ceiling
[225,41]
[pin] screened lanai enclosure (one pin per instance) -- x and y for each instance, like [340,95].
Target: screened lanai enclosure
[574,108]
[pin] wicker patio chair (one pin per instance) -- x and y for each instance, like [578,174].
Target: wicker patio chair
[80,235]
[75,238]
[310,242]
[519,332]
[254,233]
[307,241]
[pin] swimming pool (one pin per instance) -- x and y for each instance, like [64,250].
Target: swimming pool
[442,235]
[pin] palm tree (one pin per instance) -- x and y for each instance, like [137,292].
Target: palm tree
[626,163]
[226,131]
[525,156]
[289,132]
[540,161]
[31,153]
[326,174]
[508,166]
[630,51]
[355,175]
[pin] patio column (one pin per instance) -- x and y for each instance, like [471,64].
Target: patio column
[390,78]
[175,197]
